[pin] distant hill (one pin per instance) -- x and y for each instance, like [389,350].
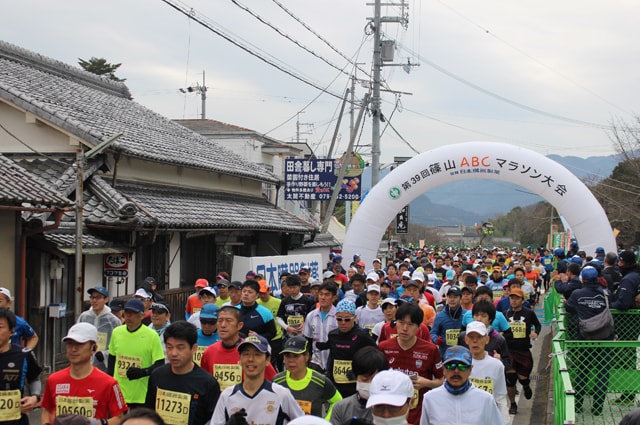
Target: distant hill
[473,201]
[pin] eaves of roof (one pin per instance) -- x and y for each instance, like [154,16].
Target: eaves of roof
[19,187]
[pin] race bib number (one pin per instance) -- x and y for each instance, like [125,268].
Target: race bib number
[342,373]
[227,375]
[173,406]
[82,406]
[451,337]
[497,294]
[305,406]
[9,405]
[123,363]
[197,356]
[519,329]
[102,341]
[485,384]
[295,321]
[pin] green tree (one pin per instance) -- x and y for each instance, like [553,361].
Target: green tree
[100,66]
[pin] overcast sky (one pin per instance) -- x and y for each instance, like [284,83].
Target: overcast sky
[573,60]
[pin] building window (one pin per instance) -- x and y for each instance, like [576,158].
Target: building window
[268,190]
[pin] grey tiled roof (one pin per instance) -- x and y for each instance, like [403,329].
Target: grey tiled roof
[18,187]
[208,127]
[322,240]
[94,109]
[178,208]
[66,242]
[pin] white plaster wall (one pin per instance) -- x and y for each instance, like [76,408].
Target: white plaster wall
[41,137]
[92,273]
[137,170]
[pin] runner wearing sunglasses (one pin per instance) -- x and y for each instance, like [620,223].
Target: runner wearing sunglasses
[342,344]
[458,401]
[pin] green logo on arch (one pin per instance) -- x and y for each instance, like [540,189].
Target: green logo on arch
[395,192]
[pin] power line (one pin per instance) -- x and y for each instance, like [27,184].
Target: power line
[315,98]
[308,28]
[522,52]
[500,97]
[6,130]
[402,138]
[285,35]
[192,14]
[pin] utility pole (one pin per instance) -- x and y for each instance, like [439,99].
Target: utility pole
[202,89]
[347,204]
[298,124]
[375,98]
[203,97]
[81,159]
[378,59]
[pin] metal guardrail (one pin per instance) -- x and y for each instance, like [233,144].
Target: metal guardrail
[595,382]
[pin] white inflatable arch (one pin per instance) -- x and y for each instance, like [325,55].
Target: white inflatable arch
[478,160]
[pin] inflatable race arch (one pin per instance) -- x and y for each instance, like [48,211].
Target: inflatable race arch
[478,160]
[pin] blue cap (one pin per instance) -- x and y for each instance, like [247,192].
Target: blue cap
[134,304]
[558,252]
[209,311]
[99,289]
[576,259]
[599,250]
[450,274]
[458,353]
[589,273]
[356,256]
[346,306]
[257,341]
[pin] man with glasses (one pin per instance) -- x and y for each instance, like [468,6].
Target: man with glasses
[160,321]
[305,283]
[147,300]
[458,401]
[208,332]
[100,316]
[207,295]
[413,356]
[342,344]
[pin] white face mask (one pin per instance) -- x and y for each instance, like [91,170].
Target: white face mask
[363,389]
[396,420]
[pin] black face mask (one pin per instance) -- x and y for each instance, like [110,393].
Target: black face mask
[384,295]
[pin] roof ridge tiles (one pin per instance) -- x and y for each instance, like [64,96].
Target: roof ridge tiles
[53,66]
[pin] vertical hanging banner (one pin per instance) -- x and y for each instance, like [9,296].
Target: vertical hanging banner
[314,179]
[402,221]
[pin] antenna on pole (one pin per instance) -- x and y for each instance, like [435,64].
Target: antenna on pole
[202,89]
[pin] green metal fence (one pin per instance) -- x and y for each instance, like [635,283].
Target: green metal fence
[595,382]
